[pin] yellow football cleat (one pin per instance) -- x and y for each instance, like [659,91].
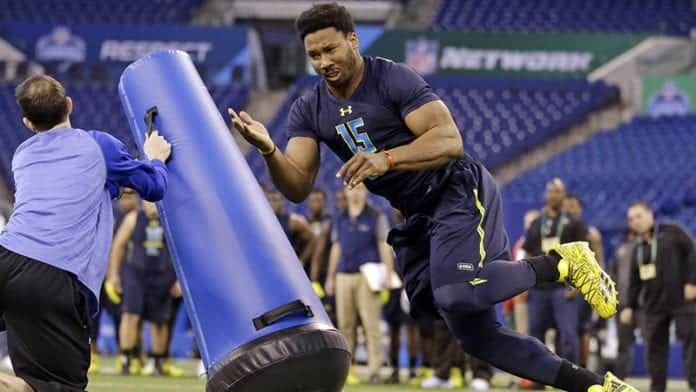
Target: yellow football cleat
[93,364]
[130,367]
[424,374]
[171,370]
[456,378]
[352,378]
[612,384]
[579,268]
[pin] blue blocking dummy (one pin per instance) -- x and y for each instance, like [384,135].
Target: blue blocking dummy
[258,323]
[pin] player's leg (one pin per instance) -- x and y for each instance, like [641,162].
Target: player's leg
[133,306]
[627,339]
[482,336]
[442,356]
[45,312]
[470,265]
[393,316]
[369,308]
[686,332]
[469,252]
[540,318]
[158,306]
[412,346]
[565,313]
[168,366]
[347,313]
[158,333]
[411,245]
[470,273]
[655,332]
[94,327]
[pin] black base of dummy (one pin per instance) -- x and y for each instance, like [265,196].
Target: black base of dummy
[307,358]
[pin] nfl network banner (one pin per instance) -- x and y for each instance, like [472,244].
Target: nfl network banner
[501,53]
[216,46]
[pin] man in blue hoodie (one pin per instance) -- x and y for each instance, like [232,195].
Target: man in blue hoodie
[55,248]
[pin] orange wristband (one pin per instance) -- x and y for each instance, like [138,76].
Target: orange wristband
[390,158]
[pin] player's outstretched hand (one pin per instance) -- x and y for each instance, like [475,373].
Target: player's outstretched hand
[252,131]
[361,166]
[157,147]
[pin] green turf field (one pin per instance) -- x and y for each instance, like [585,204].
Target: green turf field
[106,380]
[120,383]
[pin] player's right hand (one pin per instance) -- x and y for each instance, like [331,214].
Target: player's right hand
[113,289]
[252,131]
[157,147]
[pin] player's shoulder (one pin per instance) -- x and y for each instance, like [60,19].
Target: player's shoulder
[308,101]
[385,69]
[380,64]
[102,137]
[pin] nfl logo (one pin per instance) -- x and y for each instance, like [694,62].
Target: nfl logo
[421,55]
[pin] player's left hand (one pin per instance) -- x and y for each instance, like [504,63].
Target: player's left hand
[361,166]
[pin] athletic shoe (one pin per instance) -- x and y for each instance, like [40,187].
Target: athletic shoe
[579,268]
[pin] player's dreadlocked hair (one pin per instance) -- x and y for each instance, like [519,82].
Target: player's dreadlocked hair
[322,16]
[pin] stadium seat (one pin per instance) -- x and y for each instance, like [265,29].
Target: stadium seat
[101,11]
[671,17]
[646,159]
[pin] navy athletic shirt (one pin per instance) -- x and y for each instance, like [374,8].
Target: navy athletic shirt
[371,120]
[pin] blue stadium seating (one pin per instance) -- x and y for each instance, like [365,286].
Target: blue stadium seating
[98,11]
[650,159]
[499,118]
[672,17]
[96,106]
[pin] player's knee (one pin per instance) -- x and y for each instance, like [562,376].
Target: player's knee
[460,298]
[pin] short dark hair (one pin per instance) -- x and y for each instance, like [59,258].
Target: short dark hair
[322,16]
[640,203]
[43,101]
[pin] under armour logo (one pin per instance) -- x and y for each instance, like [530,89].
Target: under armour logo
[348,110]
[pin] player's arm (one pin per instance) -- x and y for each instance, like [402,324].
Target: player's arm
[334,257]
[686,243]
[634,287]
[320,251]
[148,178]
[118,249]
[300,227]
[437,142]
[386,254]
[292,172]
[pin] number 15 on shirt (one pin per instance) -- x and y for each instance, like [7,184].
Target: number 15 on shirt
[356,140]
